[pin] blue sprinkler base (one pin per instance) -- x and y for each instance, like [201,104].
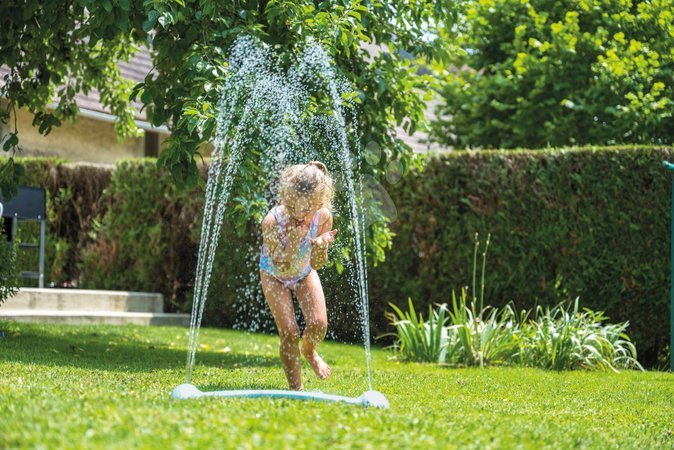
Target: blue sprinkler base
[369,398]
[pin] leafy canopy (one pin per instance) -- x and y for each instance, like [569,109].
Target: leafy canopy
[560,72]
[57,49]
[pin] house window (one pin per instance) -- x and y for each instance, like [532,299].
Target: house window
[151,144]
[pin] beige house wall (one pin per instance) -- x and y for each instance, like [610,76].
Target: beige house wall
[87,140]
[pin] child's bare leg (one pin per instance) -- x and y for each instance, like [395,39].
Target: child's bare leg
[312,301]
[281,304]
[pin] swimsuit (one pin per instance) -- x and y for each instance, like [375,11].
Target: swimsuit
[301,264]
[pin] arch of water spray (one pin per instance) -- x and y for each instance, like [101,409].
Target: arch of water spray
[263,104]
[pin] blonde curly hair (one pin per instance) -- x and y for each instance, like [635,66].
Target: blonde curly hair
[307,180]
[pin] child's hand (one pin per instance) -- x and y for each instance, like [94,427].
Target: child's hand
[324,239]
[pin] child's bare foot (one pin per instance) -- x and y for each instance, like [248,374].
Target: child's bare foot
[321,369]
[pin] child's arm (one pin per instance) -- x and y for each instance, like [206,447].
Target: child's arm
[319,251]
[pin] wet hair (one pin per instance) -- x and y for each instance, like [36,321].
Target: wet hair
[307,180]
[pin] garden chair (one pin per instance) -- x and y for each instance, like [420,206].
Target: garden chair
[27,206]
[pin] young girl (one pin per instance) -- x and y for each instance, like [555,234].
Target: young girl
[296,234]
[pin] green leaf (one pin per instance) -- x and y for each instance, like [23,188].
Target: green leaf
[151,20]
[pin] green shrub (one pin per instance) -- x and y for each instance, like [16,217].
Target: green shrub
[57,249]
[144,239]
[557,339]
[476,336]
[9,274]
[455,336]
[538,73]
[73,194]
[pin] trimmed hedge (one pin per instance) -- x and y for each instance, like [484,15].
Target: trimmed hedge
[591,222]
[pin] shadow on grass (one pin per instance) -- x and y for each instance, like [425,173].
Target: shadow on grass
[112,351]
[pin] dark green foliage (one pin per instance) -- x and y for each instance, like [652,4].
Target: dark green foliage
[560,72]
[145,239]
[9,276]
[55,50]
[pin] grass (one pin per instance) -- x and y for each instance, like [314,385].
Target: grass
[106,386]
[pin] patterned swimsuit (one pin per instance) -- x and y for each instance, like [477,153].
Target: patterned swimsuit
[301,264]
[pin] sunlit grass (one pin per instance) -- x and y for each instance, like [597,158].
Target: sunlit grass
[106,386]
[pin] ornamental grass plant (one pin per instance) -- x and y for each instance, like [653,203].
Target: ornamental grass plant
[419,340]
[566,338]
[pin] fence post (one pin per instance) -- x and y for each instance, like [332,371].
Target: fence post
[670,166]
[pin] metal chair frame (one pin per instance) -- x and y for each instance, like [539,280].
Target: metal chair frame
[28,206]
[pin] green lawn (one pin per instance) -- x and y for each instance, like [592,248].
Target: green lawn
[106,386]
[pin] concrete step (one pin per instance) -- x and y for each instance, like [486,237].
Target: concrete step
[84,300]
[75,317]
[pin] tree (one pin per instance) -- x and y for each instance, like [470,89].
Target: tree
[71,46]
[55,50]
[540,73]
